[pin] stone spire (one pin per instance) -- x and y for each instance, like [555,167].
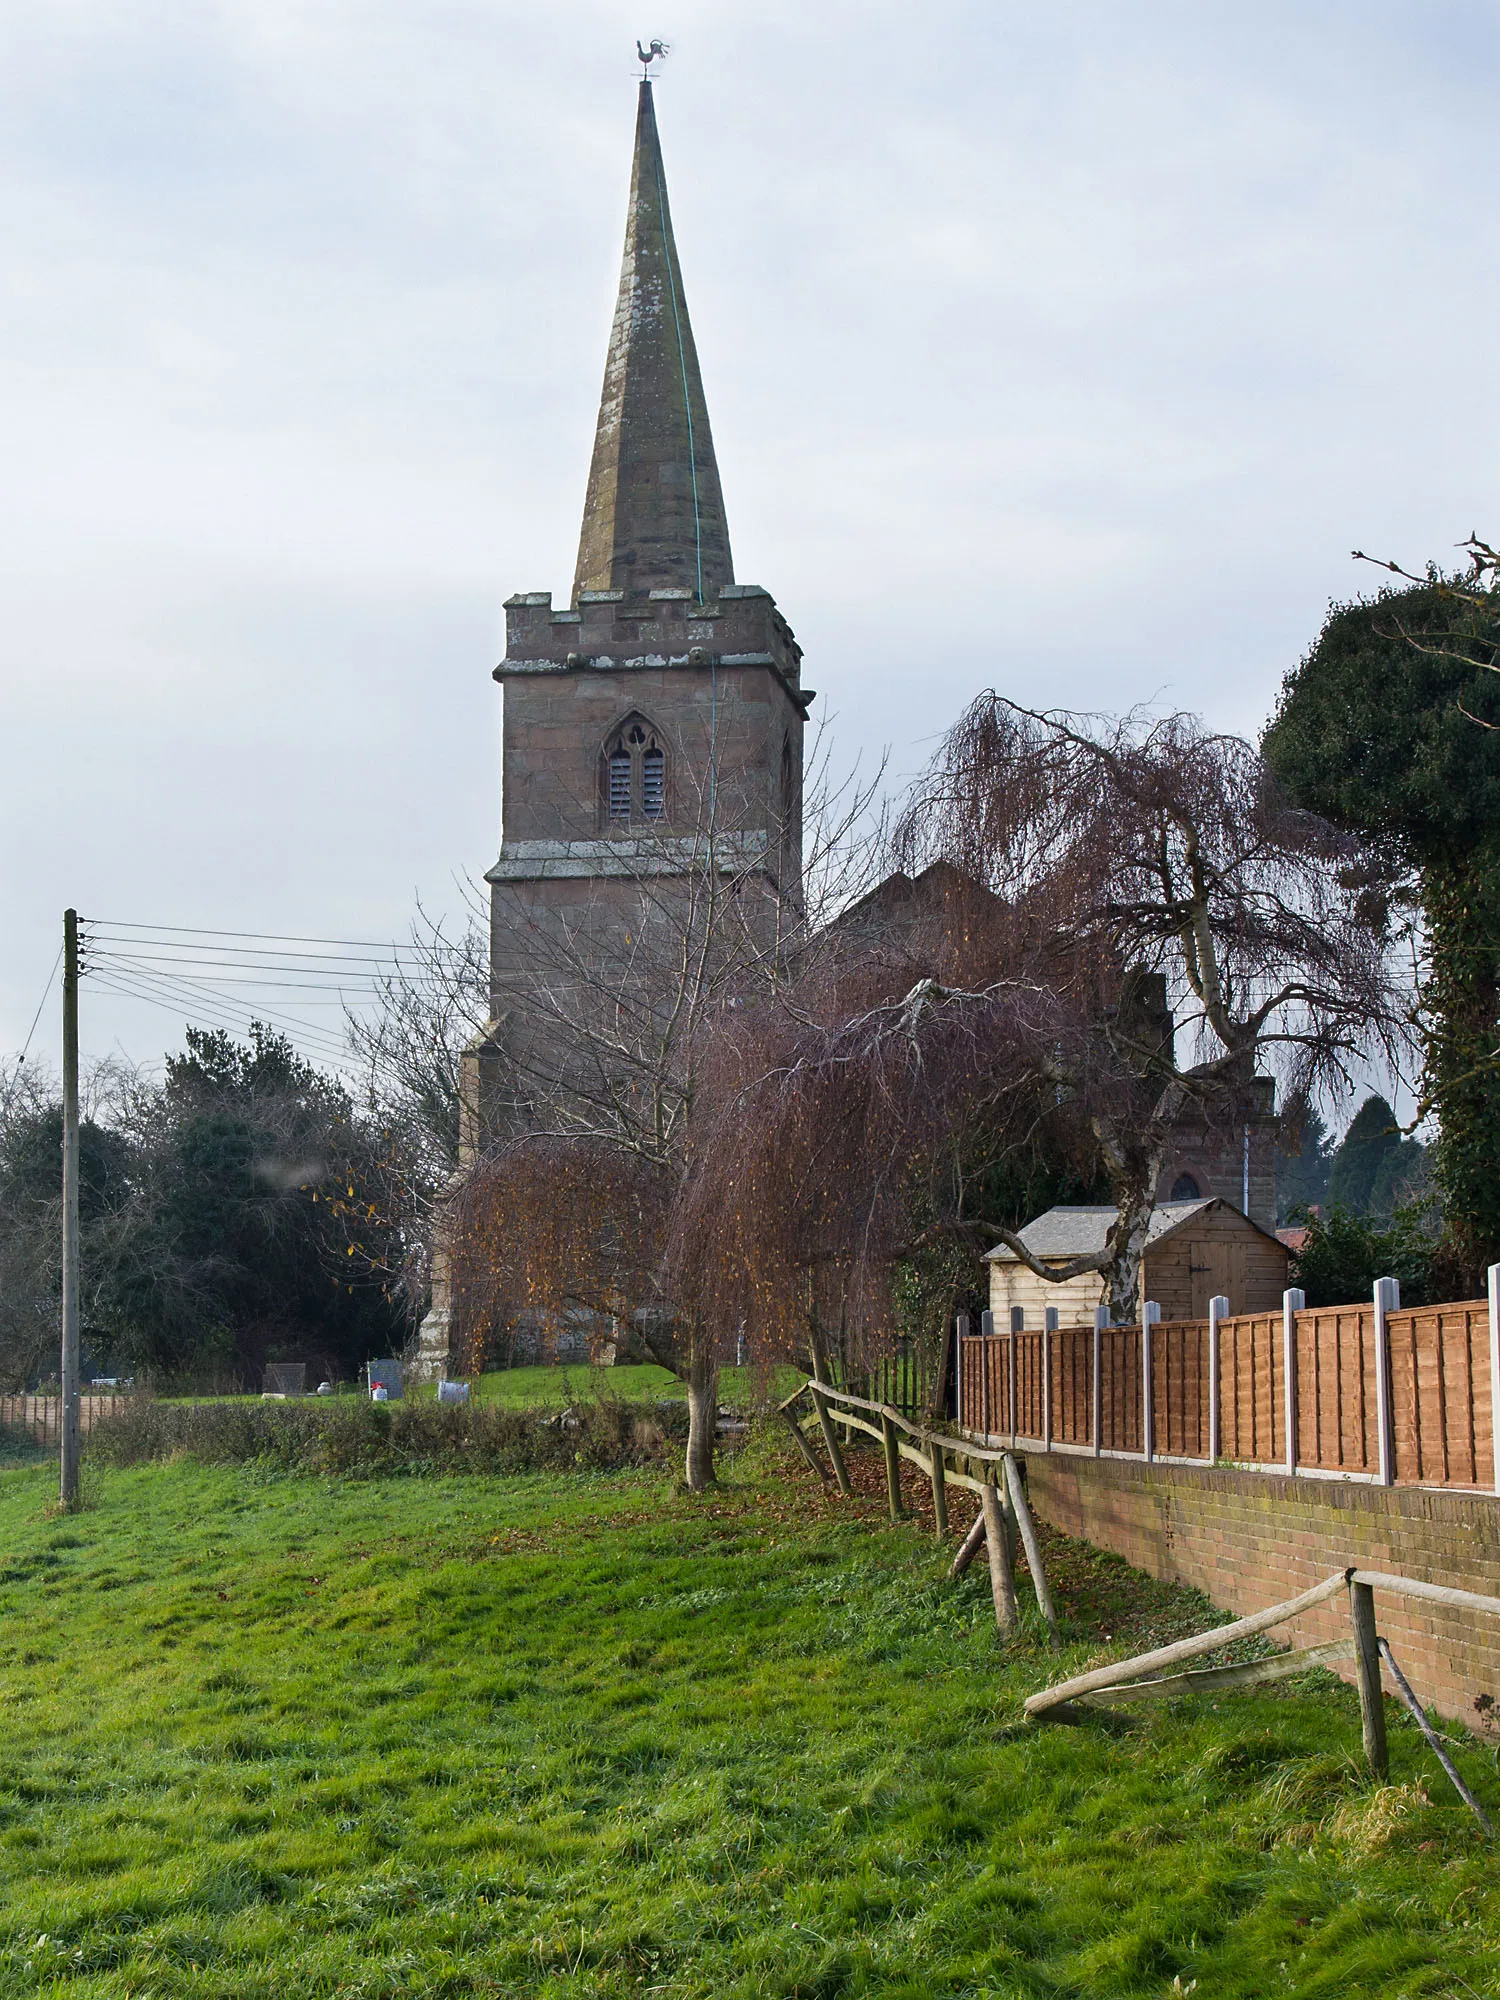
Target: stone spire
[654,516]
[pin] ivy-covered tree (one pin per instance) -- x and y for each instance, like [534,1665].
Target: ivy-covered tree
[1390,727]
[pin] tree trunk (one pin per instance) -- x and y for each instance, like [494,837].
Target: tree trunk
[703,1413]
[1127,1242]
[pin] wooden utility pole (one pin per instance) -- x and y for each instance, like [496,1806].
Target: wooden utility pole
[69,1426]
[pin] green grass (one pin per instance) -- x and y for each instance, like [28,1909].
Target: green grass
[574,1735]
[532,1388]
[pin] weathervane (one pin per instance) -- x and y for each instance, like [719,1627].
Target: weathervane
[649,56]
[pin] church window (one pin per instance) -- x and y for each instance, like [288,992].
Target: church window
[1185,1188]
[633,779]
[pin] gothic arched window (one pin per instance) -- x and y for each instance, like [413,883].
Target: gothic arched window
[634,774]
[1185,1188]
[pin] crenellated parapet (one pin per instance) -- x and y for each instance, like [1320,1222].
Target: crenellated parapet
[610,630]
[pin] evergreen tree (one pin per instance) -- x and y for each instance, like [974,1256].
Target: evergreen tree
[1380,729]
[1303,1159]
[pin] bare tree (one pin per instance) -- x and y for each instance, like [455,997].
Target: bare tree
[1107,862]
[429,1011]
[606,1010]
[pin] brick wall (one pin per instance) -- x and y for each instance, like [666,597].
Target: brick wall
[1249,1540]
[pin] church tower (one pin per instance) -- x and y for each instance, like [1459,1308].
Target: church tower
[653,725]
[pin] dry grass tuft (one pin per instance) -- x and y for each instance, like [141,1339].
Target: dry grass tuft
[1373,1823]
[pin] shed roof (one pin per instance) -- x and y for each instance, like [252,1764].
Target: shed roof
[1080,1232]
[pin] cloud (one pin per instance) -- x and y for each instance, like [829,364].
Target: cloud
[1068,352]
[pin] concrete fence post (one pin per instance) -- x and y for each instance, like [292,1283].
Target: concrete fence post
[1494,1291]
[1218,1310]
[1387,1300]
[1292,1302]
[961,1329]
[1017,1326]
[1096,1415]
[1049,1327]
[1150,1314]
[986,1392]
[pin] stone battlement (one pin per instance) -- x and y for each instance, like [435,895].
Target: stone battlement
[613,628]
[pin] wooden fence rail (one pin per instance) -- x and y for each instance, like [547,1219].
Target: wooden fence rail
[1371,1392]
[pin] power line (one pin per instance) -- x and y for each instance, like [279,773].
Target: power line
[239,1016]
[214,977]
[46,990]
[262,937]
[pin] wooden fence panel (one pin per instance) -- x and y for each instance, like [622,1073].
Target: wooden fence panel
[1252,1424]
[40,1417]
[1073,1385]
[1120,1373]
[1028,1421]
[1337,1396]
[984,1370]
[1442,1419]
[1179,1388]
[1440,1395]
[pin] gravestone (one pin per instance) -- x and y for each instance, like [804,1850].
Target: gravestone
[385,1375]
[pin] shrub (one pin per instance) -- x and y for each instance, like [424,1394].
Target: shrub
[1344,1254]
[364,1440]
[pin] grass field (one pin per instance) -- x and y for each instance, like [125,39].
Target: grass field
[586,1735]
[526,1388]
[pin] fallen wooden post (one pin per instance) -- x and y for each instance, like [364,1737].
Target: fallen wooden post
[805,1448]
[1002,1579]
[1185,1649]
[1206,1680]
[969,1547]
[830,1439]
[1029,1542]
[1428,1731]
[939,1489]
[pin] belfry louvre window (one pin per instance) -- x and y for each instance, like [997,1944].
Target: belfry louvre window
[634,777]
[619,785]
[653,783]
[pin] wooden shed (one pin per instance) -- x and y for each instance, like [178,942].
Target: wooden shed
[1194,1251]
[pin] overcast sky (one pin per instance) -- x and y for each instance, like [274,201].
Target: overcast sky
[1062,350]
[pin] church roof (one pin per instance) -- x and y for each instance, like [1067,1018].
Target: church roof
[654,515]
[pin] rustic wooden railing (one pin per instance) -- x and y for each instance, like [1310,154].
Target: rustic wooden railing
[1397,1398]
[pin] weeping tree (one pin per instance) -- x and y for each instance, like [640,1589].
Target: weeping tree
[1390,727]
[1146,919]
[1135,851]
[851,1132]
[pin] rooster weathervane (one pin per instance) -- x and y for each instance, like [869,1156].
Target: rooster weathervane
[649,56]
